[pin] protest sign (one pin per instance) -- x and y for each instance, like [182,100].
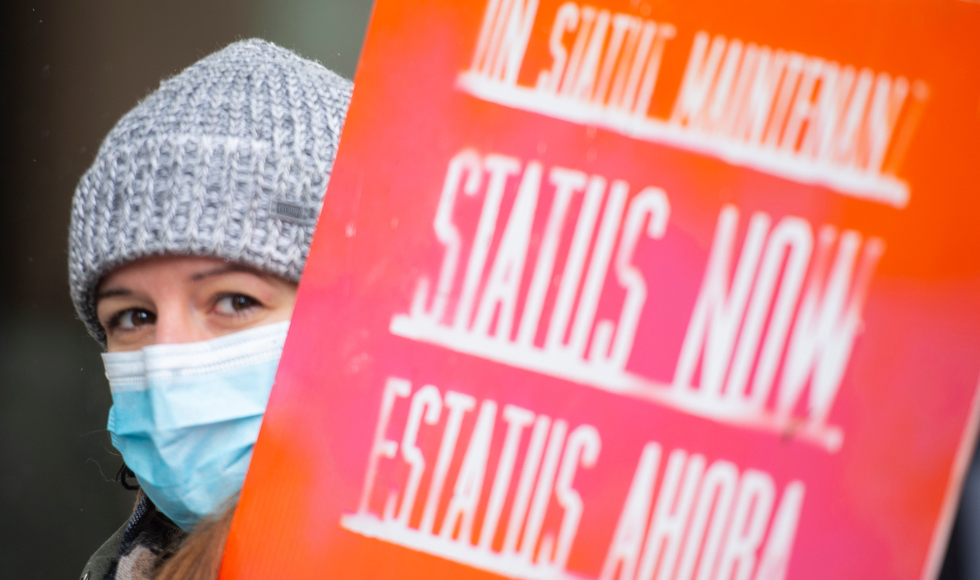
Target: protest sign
[635,290]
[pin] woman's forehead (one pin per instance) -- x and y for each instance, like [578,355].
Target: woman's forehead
[173,268]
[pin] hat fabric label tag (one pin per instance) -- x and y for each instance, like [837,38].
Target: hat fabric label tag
[293,212]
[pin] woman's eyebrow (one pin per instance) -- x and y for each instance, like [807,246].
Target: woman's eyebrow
[112,292]
[225,269]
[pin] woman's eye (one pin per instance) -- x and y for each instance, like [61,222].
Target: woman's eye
[235,304]
[133,318]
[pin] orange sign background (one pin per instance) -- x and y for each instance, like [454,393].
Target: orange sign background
[774,307]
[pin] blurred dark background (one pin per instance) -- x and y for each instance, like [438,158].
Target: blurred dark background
[70,69]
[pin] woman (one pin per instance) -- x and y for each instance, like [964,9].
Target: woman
[188,236]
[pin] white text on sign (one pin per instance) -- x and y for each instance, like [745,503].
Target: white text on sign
[686,519]
[769,338]
[797,116]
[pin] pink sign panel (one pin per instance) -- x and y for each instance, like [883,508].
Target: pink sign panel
[635,290]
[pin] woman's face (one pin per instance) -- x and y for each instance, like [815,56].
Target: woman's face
[176,299]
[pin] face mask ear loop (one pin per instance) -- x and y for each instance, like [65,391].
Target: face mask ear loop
[125,473]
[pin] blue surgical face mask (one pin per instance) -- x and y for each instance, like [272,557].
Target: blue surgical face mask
[186,416]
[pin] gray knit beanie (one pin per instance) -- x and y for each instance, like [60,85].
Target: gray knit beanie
[228,159]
